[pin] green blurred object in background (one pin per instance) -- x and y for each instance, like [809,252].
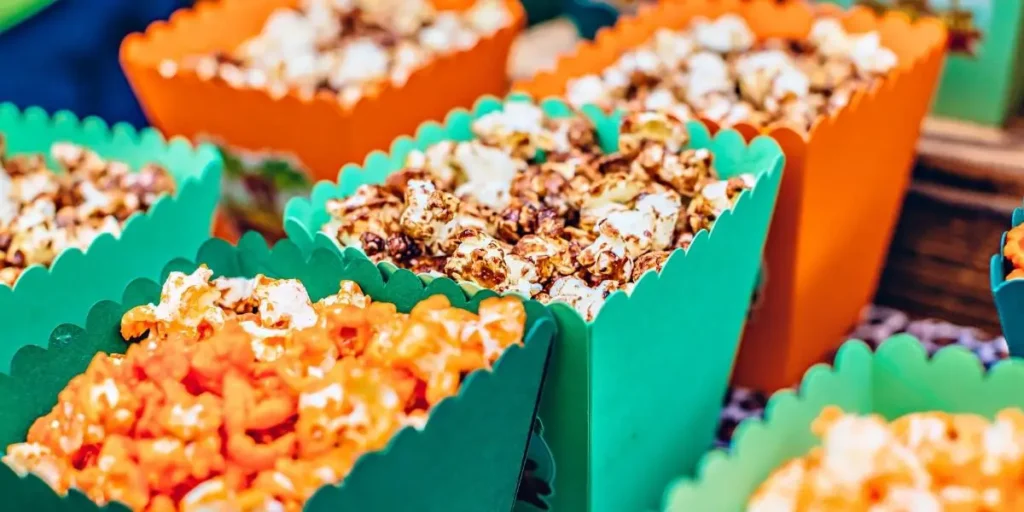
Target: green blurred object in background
[13,12]
[982,80]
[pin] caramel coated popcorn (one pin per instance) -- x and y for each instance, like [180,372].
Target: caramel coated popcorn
[717,69]
[532,205]
[921,462]
[43,212]
[247,396]
[346,47]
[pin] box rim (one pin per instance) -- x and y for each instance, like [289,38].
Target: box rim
[540,329]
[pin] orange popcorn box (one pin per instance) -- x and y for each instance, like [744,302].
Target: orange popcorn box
[467,456]
[843,183]
[301,141]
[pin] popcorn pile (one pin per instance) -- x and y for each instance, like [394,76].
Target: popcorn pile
[719,71]
[245,395]
[43,212]
[922,462]
[531,205]
[346,47]
[1014,251]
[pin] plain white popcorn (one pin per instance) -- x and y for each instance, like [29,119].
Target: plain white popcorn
[718,69]
[346,47]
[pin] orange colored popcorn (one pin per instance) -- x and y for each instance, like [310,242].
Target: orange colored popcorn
[1014,251]
[244,395]
[921,462]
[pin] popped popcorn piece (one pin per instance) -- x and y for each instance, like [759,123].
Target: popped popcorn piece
[41,461]
[488,16]
[541,211]
[708,75]
[584,299]
[427,211]
[439,162]
[550,255]
[870,57]
[685,172]
[608,194]
[727,34]
[283,303]
[198,420]
[717,69]
[663,210]
[480,259]
[522,129]
[646,127]
[44,212]
[360,61]
[922,461]
[672,47]
[649,261]
[713,200]
[488,173]
[830,38]
[588,89]
[364,220]
[346,48]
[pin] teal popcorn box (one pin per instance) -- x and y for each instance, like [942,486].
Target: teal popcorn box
[175,225]
[467,457]
[652,362]
[1007,289]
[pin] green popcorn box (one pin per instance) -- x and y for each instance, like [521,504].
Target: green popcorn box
[175,226]
[652,363]
[896,380]
[982,81]
[467,458]
[1009,294]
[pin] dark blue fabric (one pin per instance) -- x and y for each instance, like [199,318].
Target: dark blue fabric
[590,15]
[66,57]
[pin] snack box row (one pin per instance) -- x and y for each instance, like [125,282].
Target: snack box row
[581,400]
[583,433]
[983,42]
[468,454]
[815,282]
[634,372]
[802,313]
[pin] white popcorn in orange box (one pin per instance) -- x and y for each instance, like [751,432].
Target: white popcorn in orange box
[717,69]
[726,34]
[345,48]
[929,461]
